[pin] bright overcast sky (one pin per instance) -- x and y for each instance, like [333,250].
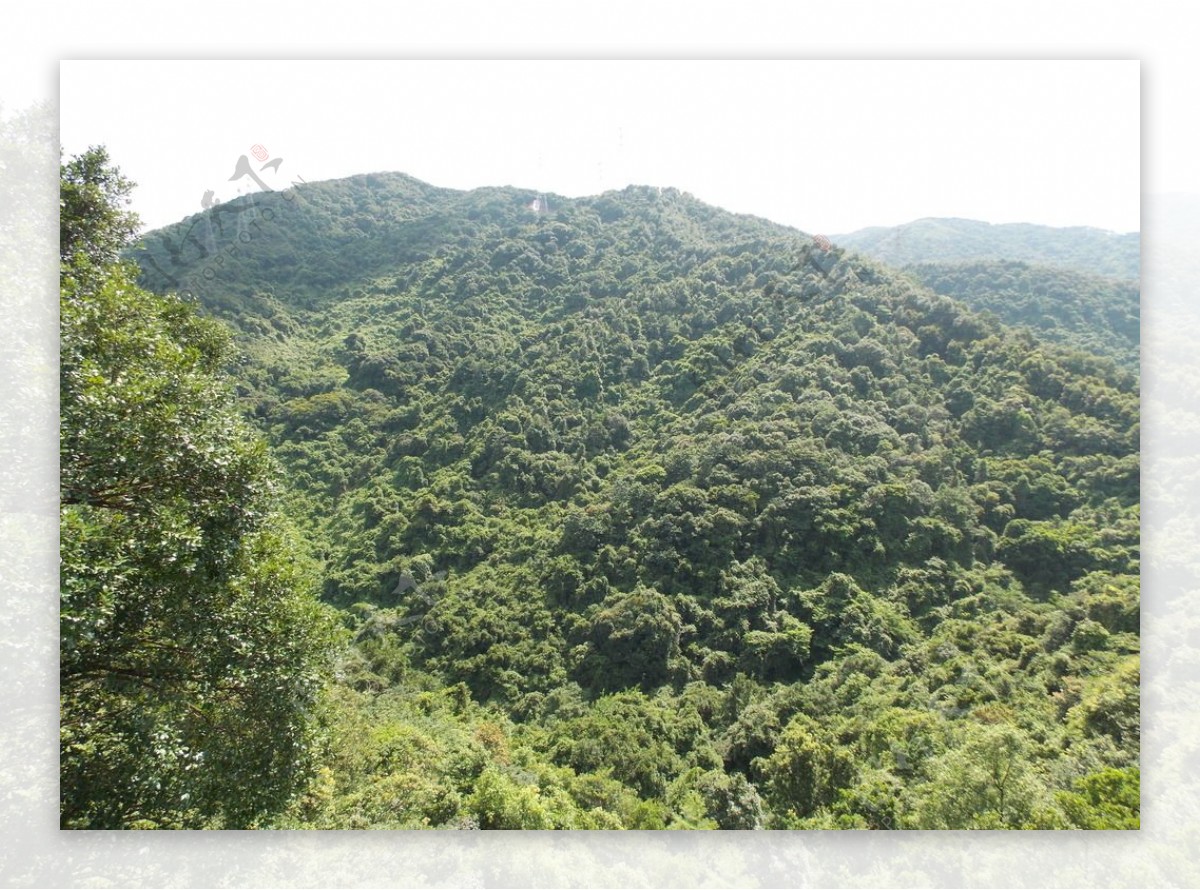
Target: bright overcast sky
[828,146]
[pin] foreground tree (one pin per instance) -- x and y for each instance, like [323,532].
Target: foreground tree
[191,647]
[986,782]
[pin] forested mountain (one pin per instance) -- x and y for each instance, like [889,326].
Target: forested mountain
[1087,312]
[643,514]
[1081,249]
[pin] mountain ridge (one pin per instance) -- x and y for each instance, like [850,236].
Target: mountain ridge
[939,239]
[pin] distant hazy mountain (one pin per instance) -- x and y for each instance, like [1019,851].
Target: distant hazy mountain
[1083,249]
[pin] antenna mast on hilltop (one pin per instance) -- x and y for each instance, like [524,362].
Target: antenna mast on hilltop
[540,204]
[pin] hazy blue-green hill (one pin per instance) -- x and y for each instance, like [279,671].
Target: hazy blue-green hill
[931,240]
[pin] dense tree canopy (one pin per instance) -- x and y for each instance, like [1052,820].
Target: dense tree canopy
[647,515]
[1092,313]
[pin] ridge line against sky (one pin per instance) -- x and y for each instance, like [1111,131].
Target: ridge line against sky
[824,146]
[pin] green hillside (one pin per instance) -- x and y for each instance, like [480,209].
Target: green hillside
[1078,248]
[642,514]
[1087,312]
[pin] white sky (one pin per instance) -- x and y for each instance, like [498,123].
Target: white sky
[827,146]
